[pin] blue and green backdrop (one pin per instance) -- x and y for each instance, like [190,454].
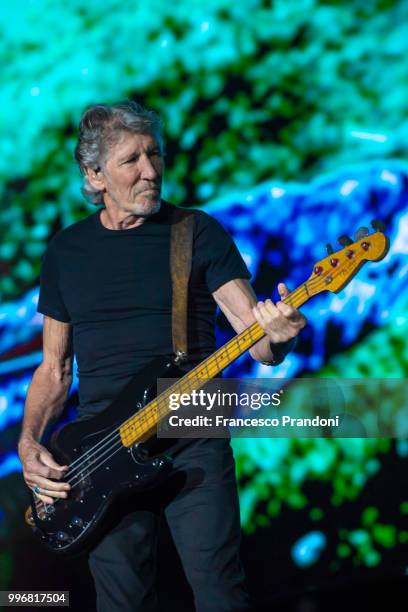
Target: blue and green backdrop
[287,121]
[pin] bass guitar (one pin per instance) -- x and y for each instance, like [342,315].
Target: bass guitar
[110,455]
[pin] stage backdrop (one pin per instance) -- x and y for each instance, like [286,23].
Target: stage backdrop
[287,121]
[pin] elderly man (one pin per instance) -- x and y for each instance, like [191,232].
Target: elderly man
[106,297]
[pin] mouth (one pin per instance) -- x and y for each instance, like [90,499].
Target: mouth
[154,189]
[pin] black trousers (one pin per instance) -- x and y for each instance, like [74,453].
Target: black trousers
[199,501]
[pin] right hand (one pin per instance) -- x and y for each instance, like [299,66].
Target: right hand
[41,469]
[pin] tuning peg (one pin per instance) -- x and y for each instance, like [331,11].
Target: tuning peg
[344,240]
[329,249]
[378,225]
[362,232]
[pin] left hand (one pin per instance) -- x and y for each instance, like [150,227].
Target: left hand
[280,321]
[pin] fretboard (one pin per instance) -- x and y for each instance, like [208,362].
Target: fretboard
[143,424]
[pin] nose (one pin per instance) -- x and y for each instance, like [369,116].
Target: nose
[147,169]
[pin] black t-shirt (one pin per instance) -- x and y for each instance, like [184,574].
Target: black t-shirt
[114,287]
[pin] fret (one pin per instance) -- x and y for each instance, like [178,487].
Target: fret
[250,332]
[231,350]
[163,408]
[246,336]
[211,368]
[227,351]
[185,383]
[149,416]
[215,368]
[222,355]
[205,368]
[217,360]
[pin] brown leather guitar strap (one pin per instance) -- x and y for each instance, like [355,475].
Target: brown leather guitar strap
[181,252]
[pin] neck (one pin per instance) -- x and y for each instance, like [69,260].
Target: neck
[113,221]
[143,424]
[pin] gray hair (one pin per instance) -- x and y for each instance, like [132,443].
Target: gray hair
[100,128]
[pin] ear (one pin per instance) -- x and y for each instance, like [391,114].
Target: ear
[95,178]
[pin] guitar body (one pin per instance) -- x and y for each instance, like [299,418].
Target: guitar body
[73,524]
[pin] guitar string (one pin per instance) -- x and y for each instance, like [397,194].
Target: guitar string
[143,417]
[118,442]
[310,283]
[123,426]
[119,446]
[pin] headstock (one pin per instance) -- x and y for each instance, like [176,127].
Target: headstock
[335,271]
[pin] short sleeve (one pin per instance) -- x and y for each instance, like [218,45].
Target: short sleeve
[219,257]
[50,302]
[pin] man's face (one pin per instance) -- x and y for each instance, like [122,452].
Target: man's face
[132,175]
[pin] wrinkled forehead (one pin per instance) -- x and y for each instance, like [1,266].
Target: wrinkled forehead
[124,143]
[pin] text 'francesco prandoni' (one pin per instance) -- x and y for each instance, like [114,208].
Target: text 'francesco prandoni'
[215,401]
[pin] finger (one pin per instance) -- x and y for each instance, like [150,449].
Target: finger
[39,463]
[267,316]
[49,460]
[259,314]
[301,321]
[288,311]
[45,498]
[268,309]
[45,483]
[53,494]
[283,290]
[37,467]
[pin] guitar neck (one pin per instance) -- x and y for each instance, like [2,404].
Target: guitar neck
[143,424]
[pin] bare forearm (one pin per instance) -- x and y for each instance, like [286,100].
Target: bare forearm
[45,400]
